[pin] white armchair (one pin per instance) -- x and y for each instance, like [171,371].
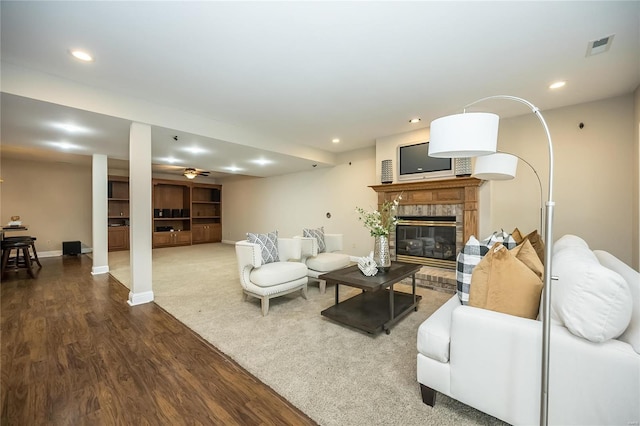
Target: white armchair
[327,261]
[266,281]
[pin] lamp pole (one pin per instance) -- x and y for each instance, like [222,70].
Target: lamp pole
[450,138]
[548,236]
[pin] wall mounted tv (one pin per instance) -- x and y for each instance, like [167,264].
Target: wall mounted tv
[414,163]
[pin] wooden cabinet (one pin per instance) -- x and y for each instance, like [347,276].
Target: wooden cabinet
[118,238]
[206,215]
[184,213]
[171,238]
[118,212]
[201,233]
[171,213]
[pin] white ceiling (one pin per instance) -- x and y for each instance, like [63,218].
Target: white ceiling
[295,75]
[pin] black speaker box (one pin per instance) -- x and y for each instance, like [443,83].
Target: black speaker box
[176,213]
[156,212]
[72,248]
[166,212]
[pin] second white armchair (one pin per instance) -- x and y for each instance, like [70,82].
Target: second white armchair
[330,259]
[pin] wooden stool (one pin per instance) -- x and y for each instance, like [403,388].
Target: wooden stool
[32,242]
[18,262]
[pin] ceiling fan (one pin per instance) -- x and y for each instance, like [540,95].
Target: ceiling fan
[191,173]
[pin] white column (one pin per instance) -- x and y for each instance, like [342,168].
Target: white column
[140,214]
[99,214]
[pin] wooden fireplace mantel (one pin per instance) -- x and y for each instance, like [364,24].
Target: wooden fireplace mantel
[459,190]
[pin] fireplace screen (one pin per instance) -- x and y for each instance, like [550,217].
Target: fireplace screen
[428,240]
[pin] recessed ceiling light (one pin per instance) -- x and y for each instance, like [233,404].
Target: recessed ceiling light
[82,55]
[194,149]
[557,84]
[70,128]
[170,160]
[233,169]
[262,161]
[64,145]
[335,140]
[414,120]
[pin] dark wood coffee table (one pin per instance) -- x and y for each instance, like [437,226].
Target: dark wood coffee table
[378,307]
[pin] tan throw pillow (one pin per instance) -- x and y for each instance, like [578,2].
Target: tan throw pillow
[503,283]
[537,243]
[517,236]
[526,253]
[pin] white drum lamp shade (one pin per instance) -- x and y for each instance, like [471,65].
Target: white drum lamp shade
[498,166]
[464,135]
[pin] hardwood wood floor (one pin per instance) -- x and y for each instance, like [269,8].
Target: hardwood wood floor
[75,353]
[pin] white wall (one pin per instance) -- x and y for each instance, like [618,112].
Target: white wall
[593,188]
[53,199]
[594,173]
[594,170]
[292,202]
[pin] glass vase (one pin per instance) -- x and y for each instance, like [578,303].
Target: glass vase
[381,253]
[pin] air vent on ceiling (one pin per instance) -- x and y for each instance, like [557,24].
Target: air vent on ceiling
[599,46]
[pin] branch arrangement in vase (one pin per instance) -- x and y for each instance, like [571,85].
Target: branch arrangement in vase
[380,222]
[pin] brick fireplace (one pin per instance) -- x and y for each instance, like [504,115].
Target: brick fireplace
[455,199]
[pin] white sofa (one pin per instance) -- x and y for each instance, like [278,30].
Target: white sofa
[492,361]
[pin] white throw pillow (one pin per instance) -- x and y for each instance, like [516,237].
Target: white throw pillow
[589,299]
[568,241]
[632,334]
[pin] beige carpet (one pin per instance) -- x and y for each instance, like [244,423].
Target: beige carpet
[336,375]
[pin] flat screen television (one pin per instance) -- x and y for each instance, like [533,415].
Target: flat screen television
[414,163]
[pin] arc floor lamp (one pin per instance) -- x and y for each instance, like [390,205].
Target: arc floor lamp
[476,134]
[503,166]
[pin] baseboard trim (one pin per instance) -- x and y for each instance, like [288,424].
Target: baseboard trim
[97,270]
[56,253]
[53,253]
[140,298]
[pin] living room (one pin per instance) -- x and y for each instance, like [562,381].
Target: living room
[596,142]
[586,186]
